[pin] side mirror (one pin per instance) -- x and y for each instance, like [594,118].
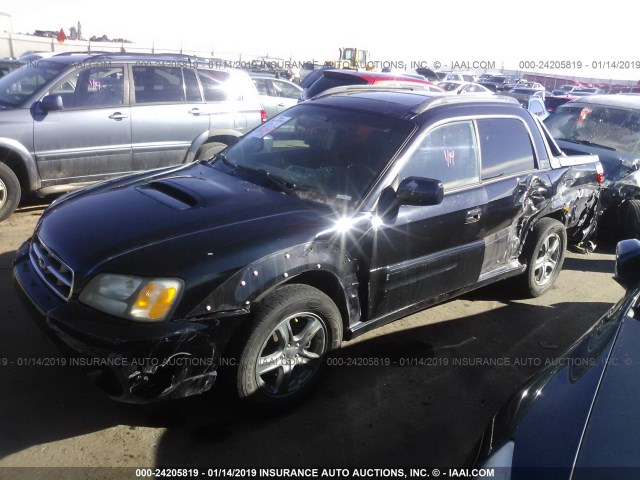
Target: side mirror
[627,271]
[420,191]
[253,145]
[51,103]
[411,191]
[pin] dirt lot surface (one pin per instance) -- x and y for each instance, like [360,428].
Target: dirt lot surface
[426,408]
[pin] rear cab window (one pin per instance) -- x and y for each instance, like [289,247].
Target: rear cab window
[506,147]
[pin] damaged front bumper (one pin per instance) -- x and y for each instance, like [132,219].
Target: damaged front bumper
[131,362]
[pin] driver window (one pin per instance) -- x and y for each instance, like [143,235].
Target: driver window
[447,153]
[92,87]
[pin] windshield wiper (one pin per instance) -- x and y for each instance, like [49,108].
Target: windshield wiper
[280,183]
[223,157]
[587,142]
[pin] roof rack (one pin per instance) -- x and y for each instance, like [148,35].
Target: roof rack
[461,99]
[352,89]
[83,52]
[432,99]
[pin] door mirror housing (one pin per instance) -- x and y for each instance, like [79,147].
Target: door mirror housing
[411,191]
[52,103]
[420,191]
[627,272]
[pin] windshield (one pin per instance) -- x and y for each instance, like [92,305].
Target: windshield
[613,128]
[322,154]
[19,85]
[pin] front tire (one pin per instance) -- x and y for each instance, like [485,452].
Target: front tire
[209,150]
[544,254]
[631,226]
[10,192]
[283,357]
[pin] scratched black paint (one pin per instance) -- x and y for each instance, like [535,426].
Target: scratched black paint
[233,240]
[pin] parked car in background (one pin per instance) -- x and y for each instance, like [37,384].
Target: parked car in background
[311,76]
[273,66]
[551,102]
[524,92]
[28,57]
[532,85]
[428,74]
[499,83]
[73,119]
[531,101]
[609,126]
[592,91]
[337,78]
[463,87]
[307,68]
[577,418]
[8,65]
[346,212]
[536,106]
[486,76]
[579,93]
[460,77]
[403,73]
[276,94]
[565,89]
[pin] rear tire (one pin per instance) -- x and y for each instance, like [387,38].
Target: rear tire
[209,150]
[631,227]
[282,358]
[10,192]
[543,253]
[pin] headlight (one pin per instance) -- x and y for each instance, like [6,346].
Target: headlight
[134,298]
[501,461]
[633,179]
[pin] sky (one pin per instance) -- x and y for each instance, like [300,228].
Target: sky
[505,33]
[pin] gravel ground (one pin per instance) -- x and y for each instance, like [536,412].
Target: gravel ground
[424,415]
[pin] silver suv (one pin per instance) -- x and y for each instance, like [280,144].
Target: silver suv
[73,119]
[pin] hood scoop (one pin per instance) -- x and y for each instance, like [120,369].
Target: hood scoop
[183,193]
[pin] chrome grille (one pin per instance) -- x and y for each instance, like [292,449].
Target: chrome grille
[54,272]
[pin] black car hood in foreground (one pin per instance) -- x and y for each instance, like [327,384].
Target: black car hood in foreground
[580,412]
[202,213]
[612,435]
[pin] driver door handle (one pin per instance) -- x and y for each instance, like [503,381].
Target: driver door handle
[117,116]
[473,215]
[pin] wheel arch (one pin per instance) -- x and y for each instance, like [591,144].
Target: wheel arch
[21,162]
[328,284]
[227,136]
[559,215]
[553,259]
[324,266]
